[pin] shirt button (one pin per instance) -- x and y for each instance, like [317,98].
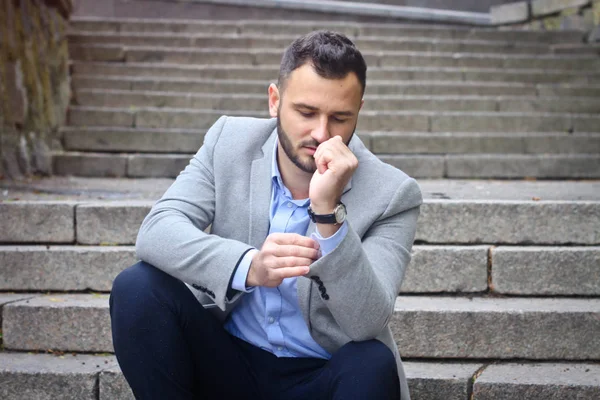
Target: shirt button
[280,348]
[271,320]
[290,205]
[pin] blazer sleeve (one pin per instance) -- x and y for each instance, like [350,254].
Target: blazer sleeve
[172,236]
[361,277]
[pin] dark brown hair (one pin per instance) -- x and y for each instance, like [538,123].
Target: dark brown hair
[331,54]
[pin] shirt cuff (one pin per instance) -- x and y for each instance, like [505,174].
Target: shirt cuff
[327,245]
[239,279]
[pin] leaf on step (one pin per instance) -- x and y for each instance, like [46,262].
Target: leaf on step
[56,300]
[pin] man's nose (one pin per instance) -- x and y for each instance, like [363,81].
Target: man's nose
[321,132]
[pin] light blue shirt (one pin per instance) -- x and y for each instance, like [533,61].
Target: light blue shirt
[270,318]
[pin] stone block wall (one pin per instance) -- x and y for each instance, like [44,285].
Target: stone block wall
[34,83]
[551,15]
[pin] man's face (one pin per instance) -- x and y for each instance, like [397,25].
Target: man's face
[311,110]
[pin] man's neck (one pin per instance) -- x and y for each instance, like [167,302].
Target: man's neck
[296,180]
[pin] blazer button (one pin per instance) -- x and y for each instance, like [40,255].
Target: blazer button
[326,296]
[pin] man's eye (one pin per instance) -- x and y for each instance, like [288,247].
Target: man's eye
[306,114]
[340,120]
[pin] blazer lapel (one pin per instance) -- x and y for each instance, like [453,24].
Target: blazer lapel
[260,194]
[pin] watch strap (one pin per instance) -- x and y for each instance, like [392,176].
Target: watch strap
[321,218]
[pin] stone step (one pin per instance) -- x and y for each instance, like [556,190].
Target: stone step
[364,43]
[482,327]
[523,271]
[300,27]
[68,376]
[122,53]
[547,222]
[461,166]
[405,121]
[270,72]
[258,102]
[114,139]
[376,87]
[100,378]
[538,381]
[579,48]
[466,143]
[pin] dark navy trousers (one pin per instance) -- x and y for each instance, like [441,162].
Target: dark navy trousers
[170,347]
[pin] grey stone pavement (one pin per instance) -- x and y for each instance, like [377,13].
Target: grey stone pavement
[78,188]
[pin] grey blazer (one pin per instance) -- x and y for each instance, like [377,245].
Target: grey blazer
[227,186]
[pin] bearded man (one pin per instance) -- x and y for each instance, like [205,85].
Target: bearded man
[291,293]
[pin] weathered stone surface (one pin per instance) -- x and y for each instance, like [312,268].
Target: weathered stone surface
[586,123]
[157,165]
[500,122]
[417,166]
[299,27]
[487,143]
[6,298]
[546,271]
[90,164]
[545,7]
[97,52]
[79,82]
[184,118]
[95,116]
[110,222]
[509,13]
[491,192]
[59,322]
[510,222]
[133,140]
[114,386]
[437,381]
[538,382]
[554,105]
[574,89]
[525,328]
[594,35]
[37,221]
[560,143]
[63,268]
[447,269]
[48,377]
[543,166]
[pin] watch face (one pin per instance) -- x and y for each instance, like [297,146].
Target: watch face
[340,213]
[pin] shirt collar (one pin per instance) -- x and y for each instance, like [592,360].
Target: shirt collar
[278,182]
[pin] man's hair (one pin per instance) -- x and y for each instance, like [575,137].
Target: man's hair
[331,54]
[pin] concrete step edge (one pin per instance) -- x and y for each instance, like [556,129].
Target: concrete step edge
[228,50]
[275,67]
[366,97]
[363,113]
[395,39]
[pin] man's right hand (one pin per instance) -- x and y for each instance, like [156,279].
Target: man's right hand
[283,255]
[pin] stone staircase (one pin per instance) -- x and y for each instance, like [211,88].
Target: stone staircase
[502,297]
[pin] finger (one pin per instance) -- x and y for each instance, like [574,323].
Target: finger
[291,272]
[293,239]
[296,251]
[290,262]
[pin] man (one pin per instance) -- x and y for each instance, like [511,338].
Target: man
[291,293]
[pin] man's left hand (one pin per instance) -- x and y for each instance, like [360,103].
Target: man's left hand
[335,166]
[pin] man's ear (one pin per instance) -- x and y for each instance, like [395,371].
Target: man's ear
[274,99]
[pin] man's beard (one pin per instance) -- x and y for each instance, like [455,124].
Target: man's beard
[309,165]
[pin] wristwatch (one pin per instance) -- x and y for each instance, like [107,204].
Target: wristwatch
[337,217]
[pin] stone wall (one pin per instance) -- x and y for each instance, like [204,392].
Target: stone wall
[34,83]
[551,15]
